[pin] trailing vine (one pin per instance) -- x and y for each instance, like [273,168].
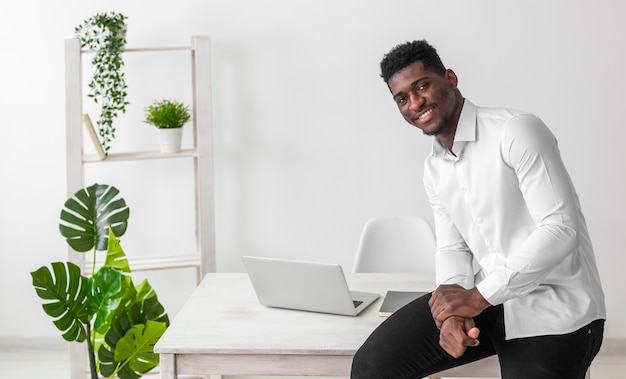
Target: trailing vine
[105,33]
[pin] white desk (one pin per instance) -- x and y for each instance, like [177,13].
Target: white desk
[223,330]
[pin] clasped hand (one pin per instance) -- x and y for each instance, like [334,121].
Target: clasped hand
[453,308]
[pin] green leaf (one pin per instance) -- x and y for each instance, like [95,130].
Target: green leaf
[107,362]
[104,296]
[65,293]
[137,346]
[115,255]
[86,218]
[116,258]
[142,308]
[147,306]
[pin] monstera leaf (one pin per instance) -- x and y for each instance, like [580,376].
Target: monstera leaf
[87,216]
[137,346]
[145,307]
[129,347]
[134,354]
[109,367]
[129,343]
[148,306]
[66,293]
[116,257]
[104,296]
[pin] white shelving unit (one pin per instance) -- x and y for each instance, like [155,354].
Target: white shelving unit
[201,154]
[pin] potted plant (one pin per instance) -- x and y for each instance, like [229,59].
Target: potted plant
[168,116]
[120,322]
[105,33]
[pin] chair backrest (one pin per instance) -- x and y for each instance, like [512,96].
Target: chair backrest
[400,244]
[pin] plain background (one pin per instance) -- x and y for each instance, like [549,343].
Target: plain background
[308,143]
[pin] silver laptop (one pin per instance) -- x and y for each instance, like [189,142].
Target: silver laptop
[305,286]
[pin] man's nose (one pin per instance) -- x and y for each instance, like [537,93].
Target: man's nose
[416,102]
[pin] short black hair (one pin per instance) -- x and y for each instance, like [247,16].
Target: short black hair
[407,53]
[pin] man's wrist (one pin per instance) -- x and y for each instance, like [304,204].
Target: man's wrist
[479,300]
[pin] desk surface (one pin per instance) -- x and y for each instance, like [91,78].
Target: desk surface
[223,330]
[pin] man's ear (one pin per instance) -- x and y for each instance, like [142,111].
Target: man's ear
[451,78]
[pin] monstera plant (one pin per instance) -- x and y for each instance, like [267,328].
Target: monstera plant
[120,321]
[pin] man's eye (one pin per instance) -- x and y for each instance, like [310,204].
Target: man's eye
[401,100]
[422,87]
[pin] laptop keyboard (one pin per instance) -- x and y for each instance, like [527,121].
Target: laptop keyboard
[357,303]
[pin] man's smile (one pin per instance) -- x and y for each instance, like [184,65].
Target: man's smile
[425,116]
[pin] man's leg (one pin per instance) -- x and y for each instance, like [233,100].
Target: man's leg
[406,345]
[551,357]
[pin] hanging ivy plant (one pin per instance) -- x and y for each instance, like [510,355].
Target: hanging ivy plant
[105,33]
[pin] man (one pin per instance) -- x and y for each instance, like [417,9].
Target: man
[515,268]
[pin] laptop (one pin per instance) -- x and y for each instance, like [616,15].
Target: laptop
[305,286]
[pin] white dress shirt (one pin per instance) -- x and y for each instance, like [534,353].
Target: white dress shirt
[508,221]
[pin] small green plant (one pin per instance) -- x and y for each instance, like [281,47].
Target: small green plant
[105,33]
[167,114]
[120,322]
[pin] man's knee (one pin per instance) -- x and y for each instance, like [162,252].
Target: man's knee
[365,364]
[391,350]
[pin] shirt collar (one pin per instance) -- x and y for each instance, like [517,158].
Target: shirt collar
[465,131]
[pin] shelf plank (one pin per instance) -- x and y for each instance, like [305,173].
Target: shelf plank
[153,263]
[113,157]
[145,49]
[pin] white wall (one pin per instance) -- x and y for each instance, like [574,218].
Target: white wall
[308,144]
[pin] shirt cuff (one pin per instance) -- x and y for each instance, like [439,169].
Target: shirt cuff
[494,289]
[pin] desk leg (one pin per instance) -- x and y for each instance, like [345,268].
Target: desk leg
[168,366]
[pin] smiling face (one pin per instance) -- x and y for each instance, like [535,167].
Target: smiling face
[428,100]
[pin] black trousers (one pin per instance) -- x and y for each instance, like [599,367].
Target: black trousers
[406,345]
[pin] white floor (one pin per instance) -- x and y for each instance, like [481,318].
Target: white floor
[48,359]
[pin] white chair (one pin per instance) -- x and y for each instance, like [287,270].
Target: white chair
[406,244]
[400,244]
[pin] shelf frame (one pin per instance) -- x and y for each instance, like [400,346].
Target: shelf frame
[204,258]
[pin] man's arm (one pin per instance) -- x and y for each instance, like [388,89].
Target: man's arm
[531,150]
[453,258]
[454,264]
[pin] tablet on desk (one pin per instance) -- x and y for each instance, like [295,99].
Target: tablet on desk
[395,300]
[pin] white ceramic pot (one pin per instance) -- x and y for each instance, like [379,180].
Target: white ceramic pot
[170,139]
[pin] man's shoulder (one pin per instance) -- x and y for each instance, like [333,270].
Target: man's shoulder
[509,126]
[492,116]
[501,113]
[500,118]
